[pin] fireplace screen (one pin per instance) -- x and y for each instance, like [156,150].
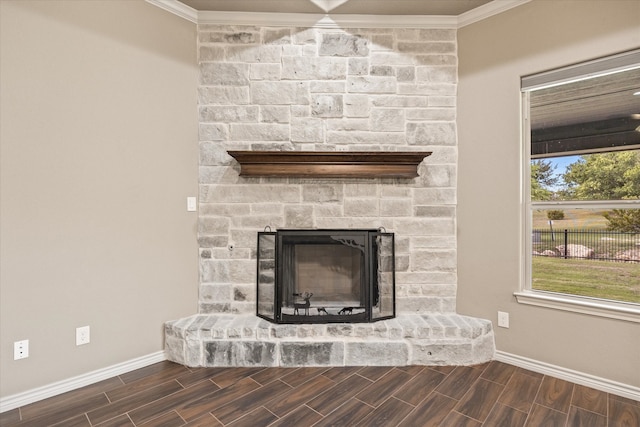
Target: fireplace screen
[326,276]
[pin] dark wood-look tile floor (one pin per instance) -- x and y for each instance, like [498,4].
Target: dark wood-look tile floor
[493,394]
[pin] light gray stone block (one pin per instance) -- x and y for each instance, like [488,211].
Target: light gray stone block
[447,352]
[312,68]
[437,34]
[210,53]
[307,130]
[225,74]
[240,353]
[275,114]
[387,119]
[215,292]
[263,54]
[327,87]
[212,132]
[431,133]
[322,193]
[276,36]
[391,353]
[343,45]
[358,66]
[259,132]
[361,207]
[371,84]
[265,72]
[279,93]
[326,106]
[305,353]
[356,105]
[228,114]
[426,47]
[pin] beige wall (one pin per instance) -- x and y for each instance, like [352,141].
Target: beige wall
[99,152]
[493,54]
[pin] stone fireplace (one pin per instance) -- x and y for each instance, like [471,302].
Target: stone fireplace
[327,90]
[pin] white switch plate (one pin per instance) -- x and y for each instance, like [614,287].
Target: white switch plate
[83,335]
[503,319]
[20,349]
[191,204]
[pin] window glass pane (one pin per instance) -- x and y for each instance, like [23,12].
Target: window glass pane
[587,252]
[592,115]
[598,176]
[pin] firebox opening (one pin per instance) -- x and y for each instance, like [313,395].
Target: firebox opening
[325,276]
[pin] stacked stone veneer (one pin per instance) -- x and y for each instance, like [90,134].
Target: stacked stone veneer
[316,89]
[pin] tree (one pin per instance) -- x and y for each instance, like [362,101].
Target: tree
[623,220]
[608,176]
[604,176]
[542,177]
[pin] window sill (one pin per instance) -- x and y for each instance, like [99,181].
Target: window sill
[611,309]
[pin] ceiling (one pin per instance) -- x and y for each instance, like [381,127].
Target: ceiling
[347,7]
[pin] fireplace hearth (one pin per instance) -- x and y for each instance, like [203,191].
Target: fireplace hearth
[326,276]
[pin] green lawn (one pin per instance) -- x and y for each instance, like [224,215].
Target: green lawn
[574,218]
[599,279]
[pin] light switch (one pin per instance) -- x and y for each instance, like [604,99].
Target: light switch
[191,204]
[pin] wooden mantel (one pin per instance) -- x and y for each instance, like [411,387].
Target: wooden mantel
[330,164]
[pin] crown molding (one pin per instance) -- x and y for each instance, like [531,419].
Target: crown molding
[487,10]
[325,21]
[177,8]
[314,20]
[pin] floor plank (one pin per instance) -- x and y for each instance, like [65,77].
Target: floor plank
[175,400]
[622,413]
[458,382]
[555,393]
[389,413]
[383,388]
[303,416]
[590,398]
[420,386]
[247,403]
[505,416]
[328,401]
[579,417]
[295,397]
[543,416]
[346,415]
[480,399]
[431,411]
[520,391]
[133,402]
[196,408]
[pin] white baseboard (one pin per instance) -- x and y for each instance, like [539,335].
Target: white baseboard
[581,378]
[50,390]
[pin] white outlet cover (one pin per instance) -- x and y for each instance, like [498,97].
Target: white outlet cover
[83,335]
[503,319]
[20,349]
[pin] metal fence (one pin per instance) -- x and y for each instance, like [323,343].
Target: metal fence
[587,244]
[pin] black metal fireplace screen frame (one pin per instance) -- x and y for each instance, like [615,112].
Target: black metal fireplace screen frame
[279,300]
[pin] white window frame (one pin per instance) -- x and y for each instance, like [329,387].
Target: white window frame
[526,295]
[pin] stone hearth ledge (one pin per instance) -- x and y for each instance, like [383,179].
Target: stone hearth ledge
[224,340]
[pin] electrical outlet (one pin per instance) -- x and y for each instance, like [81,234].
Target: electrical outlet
[83,335]
[20,349]
[503,319]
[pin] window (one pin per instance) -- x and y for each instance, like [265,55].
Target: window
[581,187]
